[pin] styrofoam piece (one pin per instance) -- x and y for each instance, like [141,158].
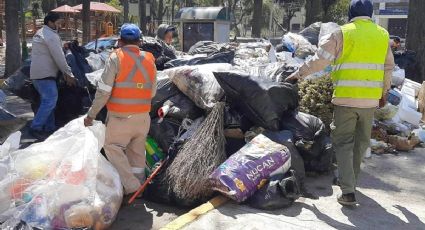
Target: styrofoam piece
[414,85]
[410,102]
[409,115]
[407,90]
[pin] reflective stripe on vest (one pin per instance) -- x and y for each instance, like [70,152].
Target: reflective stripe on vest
[359,71]
[132,89]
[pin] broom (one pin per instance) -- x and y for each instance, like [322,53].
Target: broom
[198,158]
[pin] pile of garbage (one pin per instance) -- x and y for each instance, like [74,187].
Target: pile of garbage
[223,120]
[397,125]
[58,184]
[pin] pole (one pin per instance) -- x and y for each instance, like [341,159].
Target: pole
[86,21]
[23,32]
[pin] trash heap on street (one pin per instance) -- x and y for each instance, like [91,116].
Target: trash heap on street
[223,121]
[61,183]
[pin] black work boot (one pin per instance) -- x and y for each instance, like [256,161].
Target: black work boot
[348,199]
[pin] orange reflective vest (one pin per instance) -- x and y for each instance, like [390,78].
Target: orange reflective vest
[132,91]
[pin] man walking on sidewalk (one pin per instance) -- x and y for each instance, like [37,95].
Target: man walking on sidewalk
[127,86]
[47,59]
[362,67]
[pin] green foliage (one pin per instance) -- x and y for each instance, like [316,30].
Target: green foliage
[28,15]
[316,97]
[338,12]
[115,3]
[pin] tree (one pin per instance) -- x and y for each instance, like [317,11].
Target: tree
[338,12]
[125,9]
[13,48]
[313,10]
[290,8]
[86,21]
[257,18]
[48,5]
[416,36]
[142,14]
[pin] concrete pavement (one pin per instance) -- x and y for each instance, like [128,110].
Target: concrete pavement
[391,196]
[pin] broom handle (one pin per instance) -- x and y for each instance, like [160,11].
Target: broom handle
[143,186]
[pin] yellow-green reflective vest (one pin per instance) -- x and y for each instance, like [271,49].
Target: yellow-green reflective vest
[359,71]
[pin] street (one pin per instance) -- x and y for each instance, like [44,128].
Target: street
[391,196]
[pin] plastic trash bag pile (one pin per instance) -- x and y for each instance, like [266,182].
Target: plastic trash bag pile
[61,183]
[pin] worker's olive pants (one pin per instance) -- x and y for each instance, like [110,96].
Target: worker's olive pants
[125,147]
[351,131]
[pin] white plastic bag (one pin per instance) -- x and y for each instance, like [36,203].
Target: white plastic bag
[11,144]
[326,29]
[398,76]
[198,83]
[63,182]
[95,76]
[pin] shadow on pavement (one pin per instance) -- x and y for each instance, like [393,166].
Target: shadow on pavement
[368,180]
[362,217]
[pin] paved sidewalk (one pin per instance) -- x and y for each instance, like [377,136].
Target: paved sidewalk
[391,196]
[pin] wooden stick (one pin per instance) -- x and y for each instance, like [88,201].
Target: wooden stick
[144,185]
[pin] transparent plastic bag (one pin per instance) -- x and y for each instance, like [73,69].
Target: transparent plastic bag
[62,183]
[198,83]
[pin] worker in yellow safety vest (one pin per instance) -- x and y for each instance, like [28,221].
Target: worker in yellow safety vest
[127,86]
[362,64]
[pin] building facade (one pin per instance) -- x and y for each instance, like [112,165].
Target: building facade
[392,15]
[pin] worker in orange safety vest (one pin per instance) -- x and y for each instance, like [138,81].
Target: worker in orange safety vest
[127,86]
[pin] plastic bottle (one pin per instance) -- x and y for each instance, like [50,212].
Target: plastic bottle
[153,152]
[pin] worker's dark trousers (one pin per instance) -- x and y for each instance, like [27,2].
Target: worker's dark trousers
[351,131]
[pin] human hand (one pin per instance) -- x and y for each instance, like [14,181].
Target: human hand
[88,121]
[70,81]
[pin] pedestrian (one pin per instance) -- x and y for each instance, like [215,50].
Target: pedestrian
[47,59]
[165,36]
[395,44]
[362,67]
[127,86]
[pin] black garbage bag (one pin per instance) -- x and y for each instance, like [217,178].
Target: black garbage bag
[262,101]
[323,162]
[220,57]
[285,138]
[150,44]
[165,89]
[17,80]
[204,47]
[311,33]
[164,132]
[310,139]
[181,107]
[279,192]
[159,190]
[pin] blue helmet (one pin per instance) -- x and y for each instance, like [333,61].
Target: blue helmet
[130,32]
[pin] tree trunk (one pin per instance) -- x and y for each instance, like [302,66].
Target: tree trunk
[173,6]
[142,15]
[160,11]
[416,37]
[86,21]
[125,8]
[13,48]
[1,25]
[313,12]
[257,18]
